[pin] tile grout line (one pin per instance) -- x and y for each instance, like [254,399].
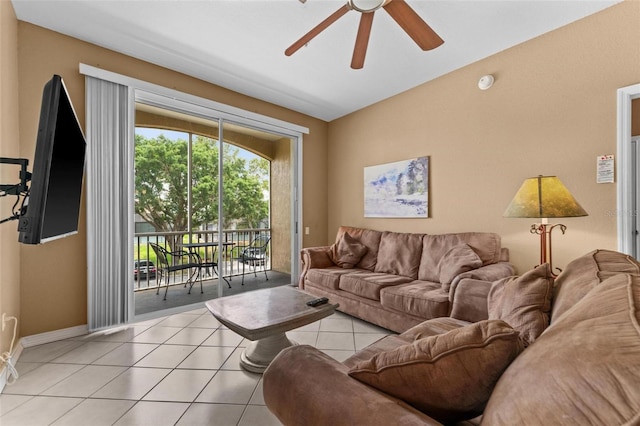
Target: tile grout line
[186,329]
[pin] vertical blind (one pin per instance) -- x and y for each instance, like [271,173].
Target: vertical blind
[108,179]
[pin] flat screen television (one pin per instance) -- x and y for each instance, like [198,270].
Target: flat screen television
[53,205]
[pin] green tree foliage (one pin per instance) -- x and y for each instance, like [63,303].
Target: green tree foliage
[161,179]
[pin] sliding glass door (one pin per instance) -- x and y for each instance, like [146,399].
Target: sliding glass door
[213,194]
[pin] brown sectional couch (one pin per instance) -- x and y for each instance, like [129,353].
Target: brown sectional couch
[581,365]
[402,279]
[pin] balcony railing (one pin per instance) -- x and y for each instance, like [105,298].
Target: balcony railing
[228,264]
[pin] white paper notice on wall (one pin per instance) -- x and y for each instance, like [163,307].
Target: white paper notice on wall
[605,169]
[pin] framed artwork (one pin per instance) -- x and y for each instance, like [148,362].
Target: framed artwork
[399,189]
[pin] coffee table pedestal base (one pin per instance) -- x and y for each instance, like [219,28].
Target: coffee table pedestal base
[258,355]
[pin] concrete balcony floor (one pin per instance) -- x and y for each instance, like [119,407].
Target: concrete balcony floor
[147,301]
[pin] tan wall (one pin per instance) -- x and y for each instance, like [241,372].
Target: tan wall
[281,207]
[9,147]
[53,279]
[551,111]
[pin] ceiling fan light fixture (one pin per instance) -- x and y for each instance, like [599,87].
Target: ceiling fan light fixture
[366,6]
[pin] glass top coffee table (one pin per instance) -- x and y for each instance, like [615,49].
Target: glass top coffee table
[263,316]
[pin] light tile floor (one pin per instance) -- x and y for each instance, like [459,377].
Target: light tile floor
[177,370]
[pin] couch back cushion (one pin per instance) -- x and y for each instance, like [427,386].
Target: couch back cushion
[347,251]
[584,273]
[399,254]
[584,369]
[367,237]
[523,302]
[487,246]
[459,259]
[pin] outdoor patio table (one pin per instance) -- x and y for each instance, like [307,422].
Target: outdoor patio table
[193,248]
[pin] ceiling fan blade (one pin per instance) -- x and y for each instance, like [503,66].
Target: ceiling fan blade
[317,30]
[362,41]
[413,24]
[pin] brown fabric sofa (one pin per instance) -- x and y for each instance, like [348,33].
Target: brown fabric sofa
[581,365]
[397,280]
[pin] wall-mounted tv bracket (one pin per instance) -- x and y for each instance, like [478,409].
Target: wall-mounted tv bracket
[19,189]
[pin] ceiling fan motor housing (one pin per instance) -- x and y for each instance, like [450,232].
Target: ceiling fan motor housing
[366,6]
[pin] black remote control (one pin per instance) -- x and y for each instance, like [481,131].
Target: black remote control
[317,302]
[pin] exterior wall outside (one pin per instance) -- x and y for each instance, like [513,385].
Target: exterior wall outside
[53,280]
[9,147]
[251,143]
[635,117]
[551,111]
[281,207]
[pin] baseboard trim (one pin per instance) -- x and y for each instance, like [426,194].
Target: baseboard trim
[40,339]
[14,359]
[53,336]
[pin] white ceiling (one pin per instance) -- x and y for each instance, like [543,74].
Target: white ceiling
[239,44]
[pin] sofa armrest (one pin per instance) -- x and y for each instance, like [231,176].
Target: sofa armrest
[313,257]
[504,255]
[469,300]
[469,291]
[303,386]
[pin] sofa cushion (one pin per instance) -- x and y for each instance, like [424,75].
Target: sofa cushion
[369,238]
[433,327]
[449,376]
[347,251]
[486,244]
[329,277]
[399,254]
[368,284]
[584,369]
[420,298]
[584,273]
[458,259]
[523,302]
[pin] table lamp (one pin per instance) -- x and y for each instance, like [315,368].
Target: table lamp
[544,197]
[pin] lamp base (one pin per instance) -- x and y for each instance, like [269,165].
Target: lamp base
[545,230]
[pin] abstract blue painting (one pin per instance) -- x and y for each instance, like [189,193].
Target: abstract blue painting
[399,189]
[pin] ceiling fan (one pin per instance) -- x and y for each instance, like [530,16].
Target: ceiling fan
[399,10]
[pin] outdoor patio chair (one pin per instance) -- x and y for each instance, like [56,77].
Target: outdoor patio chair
[174,261]
[254,255]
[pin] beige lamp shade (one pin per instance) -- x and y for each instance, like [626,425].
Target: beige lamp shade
[544,197]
